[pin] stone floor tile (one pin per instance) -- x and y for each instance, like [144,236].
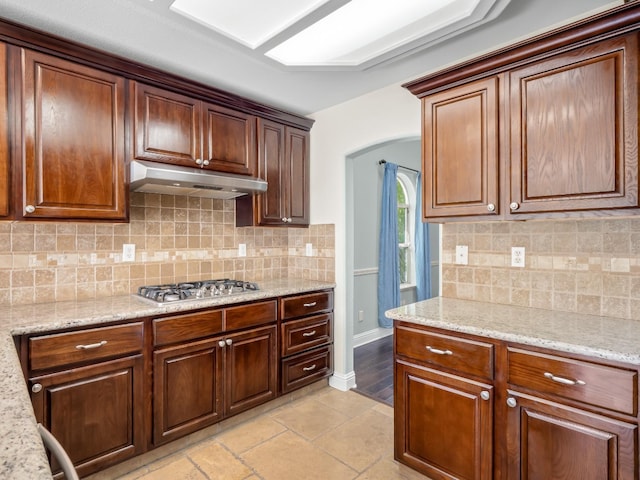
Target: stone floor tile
[250,434]
[180,469]
[361,441]
[310,418]
[348,403]
[290,457]
[386,469]
[214,460]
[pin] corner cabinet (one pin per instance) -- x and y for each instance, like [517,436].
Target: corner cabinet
[87,389]
[546,128]
[283,161]
[72,139]
[5,183]
[170,127]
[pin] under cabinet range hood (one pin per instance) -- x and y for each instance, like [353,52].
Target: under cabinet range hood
[152,177]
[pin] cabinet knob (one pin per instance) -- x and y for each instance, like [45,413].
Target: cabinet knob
[205,162]
[485,395]
[514,205]
[289,220]
[29,209]
[198,161]
[229,341]
[491,207]
[511,402]
[221,343]
[36,388]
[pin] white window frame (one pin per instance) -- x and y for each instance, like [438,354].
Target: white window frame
[408,185]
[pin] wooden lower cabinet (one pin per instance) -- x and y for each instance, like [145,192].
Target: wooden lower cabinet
[198,384]
[548,440]
[95,412]
[443,423]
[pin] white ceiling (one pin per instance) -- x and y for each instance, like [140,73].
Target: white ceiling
[149,32]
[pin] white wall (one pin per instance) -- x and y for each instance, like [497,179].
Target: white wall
[386,114]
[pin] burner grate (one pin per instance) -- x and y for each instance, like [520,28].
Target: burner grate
[176,292]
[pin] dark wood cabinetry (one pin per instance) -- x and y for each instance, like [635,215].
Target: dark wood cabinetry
[5,189]
[473,408]
[72,139]
[283,161]
[92,403]
[173,128]
[306,338]
[197,383]
[551,129]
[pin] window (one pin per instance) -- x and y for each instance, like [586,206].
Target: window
[405,195]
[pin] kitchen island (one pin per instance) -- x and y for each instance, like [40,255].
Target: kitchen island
[21,450]
[489,391]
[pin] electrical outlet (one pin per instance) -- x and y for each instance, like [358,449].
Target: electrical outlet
[361,315]
[242,249]
[308,250]
[128,252]
[517,256]
[462,254]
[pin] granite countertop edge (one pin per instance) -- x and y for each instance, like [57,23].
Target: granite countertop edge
[606,338]
[22,454]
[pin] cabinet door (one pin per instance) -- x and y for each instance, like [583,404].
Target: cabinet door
[271,152]
[460,151]
[443,424]
[296,178]
[186,389]
[5,191]
[251,367]
[167,126]
[574,130]
[95,412]
[229,141]
[72,140]
[548,440]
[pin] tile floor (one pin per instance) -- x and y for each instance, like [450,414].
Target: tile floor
[326,435]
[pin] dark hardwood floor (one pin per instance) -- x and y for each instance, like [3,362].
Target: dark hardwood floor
[373,364]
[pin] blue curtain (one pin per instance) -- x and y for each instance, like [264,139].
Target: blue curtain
[423,255]
[388,261]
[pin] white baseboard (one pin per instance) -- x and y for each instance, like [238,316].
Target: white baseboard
[343,382]
[371,336]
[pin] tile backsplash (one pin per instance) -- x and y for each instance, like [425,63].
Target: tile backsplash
[588,265]
[176,239]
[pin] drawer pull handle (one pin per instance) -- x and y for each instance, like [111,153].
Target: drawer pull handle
[91,345]
[564,381]
[438,351]
[312,304]
[309,334]
[308,369]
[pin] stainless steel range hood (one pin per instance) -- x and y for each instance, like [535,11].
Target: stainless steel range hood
[152,177]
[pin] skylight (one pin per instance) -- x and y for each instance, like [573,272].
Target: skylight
[337,33]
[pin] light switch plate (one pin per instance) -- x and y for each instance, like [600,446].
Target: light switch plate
[242,249]
[462,255]
[517,257]
[128,252]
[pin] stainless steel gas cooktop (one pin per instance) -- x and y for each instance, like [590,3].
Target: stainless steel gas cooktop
[192,291]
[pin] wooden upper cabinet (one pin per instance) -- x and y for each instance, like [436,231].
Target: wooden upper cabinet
[229,140]
[297,176]
[178,129]
[5,190]
[72,139]
[166,126]
[461,150]
[574,130]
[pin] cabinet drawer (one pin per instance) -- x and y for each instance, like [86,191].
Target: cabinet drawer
[603,386]
[306,368]
[250,315]
[307,304]
[56,350]
[465,356]
[186,327]
[299,335]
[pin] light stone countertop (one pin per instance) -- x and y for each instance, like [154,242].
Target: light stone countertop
[22,455]
[607,338]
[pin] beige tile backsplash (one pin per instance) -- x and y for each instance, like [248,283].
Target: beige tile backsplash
[176,239]
[588,265]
